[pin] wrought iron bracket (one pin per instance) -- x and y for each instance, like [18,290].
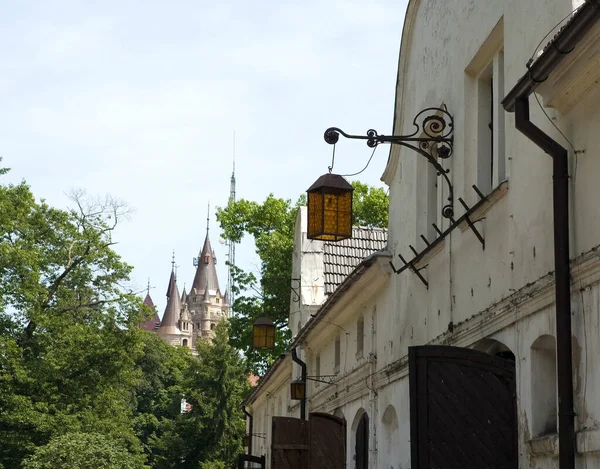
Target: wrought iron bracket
[319,380]
[433,138]
[466,217]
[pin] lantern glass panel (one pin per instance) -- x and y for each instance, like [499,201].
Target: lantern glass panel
[297,390]
[330,215]
[263,336]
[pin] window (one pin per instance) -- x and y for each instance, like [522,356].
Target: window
[336,366]
[484,115]
[491,169]
[212,326]
[185,342]
[360,336]
[217,300]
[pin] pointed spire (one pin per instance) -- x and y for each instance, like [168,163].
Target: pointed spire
[148,288]
[226,298]
[170,318]
[206,272]
[152,323]
[184,295]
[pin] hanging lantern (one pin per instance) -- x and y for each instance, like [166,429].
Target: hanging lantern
[246,441]
[263,334]
[330,208]
[298,390]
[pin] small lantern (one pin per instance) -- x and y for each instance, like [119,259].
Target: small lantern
[330,208]
[298,390]
[246,441]
[263,334]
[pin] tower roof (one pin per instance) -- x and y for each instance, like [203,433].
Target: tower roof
[184,296]
[206,272]
[152,323]
[173,309]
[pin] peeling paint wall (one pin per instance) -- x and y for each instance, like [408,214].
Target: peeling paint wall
[443,44]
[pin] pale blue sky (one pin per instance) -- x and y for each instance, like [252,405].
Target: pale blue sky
[139,100]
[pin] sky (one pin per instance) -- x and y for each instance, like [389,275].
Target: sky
[140,101]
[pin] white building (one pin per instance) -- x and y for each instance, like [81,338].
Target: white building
[495,294]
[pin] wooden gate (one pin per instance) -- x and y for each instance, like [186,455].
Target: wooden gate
[327,441]
[317,443]
[463,410]
[289,443]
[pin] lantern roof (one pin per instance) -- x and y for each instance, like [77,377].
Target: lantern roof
[333,181]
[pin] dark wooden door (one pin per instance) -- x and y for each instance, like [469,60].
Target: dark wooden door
[463,410]
[290,443]
[327,441]
[362,443]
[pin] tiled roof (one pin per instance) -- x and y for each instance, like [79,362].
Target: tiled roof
[341,257]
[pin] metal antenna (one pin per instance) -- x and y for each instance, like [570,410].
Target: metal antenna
[173,261]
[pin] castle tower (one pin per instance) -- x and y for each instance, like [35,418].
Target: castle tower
[172,329]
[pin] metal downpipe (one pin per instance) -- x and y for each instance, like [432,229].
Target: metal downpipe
[560,193]
[303,367]
[250,418]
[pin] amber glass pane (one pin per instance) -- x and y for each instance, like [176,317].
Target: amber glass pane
[297,390]
[263,337]
[315,214]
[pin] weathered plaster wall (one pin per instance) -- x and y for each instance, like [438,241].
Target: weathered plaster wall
[441,41]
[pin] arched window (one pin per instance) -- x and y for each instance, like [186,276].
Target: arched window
[185,342]
[543,386]
[212,326]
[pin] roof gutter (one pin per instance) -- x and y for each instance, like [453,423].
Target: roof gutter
[517,100]
[563,44]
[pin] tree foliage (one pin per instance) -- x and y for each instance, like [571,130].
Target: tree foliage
[267,293]
[82,386]
[82,451]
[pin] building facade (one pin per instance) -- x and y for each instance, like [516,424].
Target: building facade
[482,280]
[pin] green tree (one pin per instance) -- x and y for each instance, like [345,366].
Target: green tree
[82,451]
[67,326]
[271,225]
[210,434]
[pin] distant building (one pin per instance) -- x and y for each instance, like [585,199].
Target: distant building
[194,315]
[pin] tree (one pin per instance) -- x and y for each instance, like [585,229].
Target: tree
[209,435]
[271,225]
[82,451]
[66,335]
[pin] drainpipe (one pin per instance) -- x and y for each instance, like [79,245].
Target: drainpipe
[560,196]
[250,419]
[303,378]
